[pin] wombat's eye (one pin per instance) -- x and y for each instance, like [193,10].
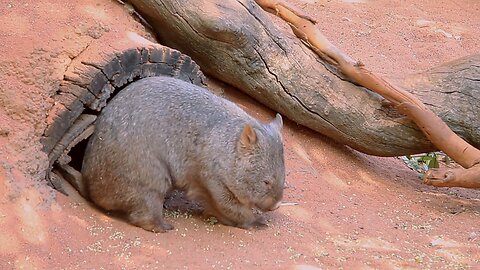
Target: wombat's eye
[268,182]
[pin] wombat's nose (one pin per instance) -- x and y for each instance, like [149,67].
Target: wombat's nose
[269,204]
[276,206]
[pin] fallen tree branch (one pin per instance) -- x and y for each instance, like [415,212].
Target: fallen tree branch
[236,42]
[430,124]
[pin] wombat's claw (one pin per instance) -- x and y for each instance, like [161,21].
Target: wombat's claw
[155,225]
[245,226]
[161,228]
[261,221]
[167,226]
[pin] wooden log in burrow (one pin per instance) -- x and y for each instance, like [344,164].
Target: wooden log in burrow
[92,78]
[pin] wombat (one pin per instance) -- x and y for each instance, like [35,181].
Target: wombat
[161,133]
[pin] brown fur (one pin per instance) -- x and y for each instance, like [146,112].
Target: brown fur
[162,133]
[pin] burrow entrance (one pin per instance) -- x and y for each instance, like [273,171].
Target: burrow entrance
[90,81]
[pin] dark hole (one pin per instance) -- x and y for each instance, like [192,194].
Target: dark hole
[90,111]
[77,153]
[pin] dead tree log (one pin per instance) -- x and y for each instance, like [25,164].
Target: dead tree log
[235,41]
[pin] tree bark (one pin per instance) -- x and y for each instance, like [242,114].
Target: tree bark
[236,42]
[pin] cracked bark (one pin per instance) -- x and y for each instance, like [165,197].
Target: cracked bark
[236,42]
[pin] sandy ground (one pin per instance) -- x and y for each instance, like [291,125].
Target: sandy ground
[349,210]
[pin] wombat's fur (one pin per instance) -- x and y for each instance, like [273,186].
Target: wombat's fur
[161,133]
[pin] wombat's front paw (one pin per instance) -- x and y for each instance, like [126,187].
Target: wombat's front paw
[151,224]
[159,228]
[260,221]
[242,224]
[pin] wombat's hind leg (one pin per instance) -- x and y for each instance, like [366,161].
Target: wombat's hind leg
[147,213]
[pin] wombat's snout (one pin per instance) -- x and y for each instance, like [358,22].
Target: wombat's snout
[277,205]
[269,204]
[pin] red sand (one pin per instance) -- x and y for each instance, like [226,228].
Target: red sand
[354,211]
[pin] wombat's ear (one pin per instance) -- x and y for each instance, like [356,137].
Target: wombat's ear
[277,123]
[248,138]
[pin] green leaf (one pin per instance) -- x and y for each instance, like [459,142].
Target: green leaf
[434,163]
